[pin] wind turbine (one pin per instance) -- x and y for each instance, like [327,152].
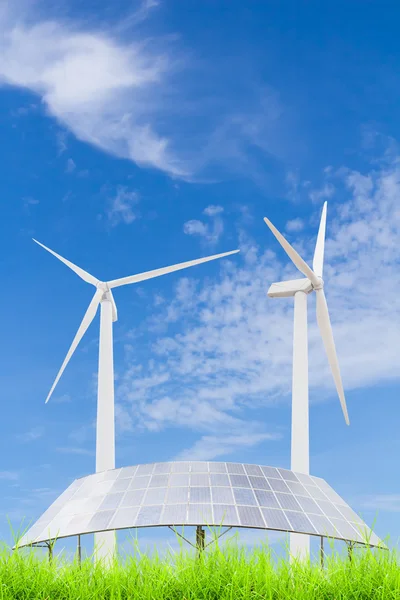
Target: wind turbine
[105,542]
[300,288]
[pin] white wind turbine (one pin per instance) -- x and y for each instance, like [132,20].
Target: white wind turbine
[105,542]
[300,288]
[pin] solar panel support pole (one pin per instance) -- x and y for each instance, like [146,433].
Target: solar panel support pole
[322,552]
[79,549]
[350,546]
[200,540]
[50,549]
[300,458]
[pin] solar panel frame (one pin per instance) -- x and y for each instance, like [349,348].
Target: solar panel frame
[147,496]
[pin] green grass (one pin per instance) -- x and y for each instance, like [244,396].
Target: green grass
[222,573]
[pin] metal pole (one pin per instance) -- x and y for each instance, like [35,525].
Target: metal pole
[350,551]
[105,542]
[200,540]
[50,547]
[322,552]
[300,454]
[79,549]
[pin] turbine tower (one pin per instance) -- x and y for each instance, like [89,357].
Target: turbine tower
[299,289]
[105,542]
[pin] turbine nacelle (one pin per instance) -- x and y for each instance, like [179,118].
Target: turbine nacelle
[287,289]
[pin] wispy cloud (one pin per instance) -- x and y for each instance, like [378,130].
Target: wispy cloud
[9,475]
[210,232]
[294,225]
[122,206]
[94,84]
[30,436]
[381,502]
[209,447]
[234,346]
[129,96]
[70,166]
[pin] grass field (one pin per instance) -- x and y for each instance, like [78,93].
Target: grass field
[222,573]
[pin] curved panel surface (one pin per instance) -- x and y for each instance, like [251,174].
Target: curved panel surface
[200,493]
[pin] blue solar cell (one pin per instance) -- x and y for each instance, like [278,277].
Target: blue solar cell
[235,468]
[240,481]
[222,495]
[149,515]
[200,494]
[266,498]
[250,516]
[199,467]
[225,514]
[144,470]
[219,479]
[288,501]
[217,467]
[244,496]
[275,519]
[278,485]
[299,521]
[259,483]
[271,472]
[253,470]
[202,479]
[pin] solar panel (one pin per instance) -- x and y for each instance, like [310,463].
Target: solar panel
[222,495]
[217,467]
[202,479]
[225,514]
[240,481]
[200,493]
[275,519]
[219,479]
[278,485]
[259,483]
[149,515]
[250,516]
[244,496]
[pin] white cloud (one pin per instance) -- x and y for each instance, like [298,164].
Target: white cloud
[30,436]
[71,166]
[382,502]
[95,85]
[323,193]
[212,210]
[129,96]
[209,447]
[233,350]
[210,232]
[294,225]
[122,206]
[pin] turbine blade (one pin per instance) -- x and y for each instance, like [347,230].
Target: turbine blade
[293,255]
[82,274]
[318,261]
[87,319]
[325,328]
[157,272]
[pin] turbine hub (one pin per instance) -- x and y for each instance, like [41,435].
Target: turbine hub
[102,285]
[320,285]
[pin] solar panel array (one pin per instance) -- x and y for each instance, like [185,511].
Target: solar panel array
[200,493]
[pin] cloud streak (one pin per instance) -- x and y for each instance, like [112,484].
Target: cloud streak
[133,97]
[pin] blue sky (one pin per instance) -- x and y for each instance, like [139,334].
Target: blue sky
[140,135]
